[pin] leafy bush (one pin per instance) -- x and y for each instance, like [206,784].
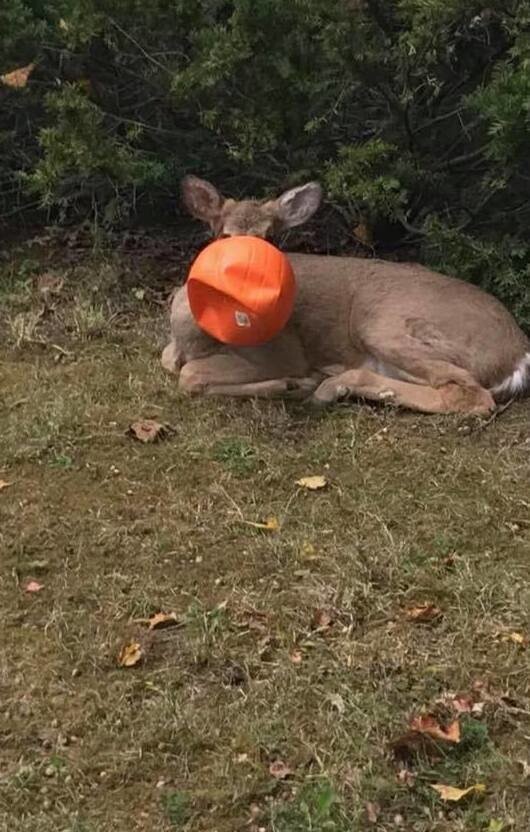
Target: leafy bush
[415,114]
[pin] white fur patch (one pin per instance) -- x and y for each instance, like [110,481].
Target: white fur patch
[518,382]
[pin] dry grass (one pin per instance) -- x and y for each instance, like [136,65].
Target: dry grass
[417,509]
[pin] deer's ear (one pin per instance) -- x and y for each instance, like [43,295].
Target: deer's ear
[297,205]
[202,200]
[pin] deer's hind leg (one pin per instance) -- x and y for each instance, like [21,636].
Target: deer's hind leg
[450,397]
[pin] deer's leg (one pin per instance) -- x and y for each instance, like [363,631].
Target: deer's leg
[450,397]
[232,375]
[170,358]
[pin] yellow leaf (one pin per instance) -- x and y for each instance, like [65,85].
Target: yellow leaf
[18,78]
[272,524]
[363,234]
[308,550]
[312,483]
[422,612]
[516,638]
[130,654]
[163,619]
[160,620]
[452,794]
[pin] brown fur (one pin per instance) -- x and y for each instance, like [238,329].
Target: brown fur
[368,328]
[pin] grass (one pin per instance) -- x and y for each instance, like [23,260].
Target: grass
[416,509]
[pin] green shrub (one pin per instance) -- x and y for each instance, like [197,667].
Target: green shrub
[415,114]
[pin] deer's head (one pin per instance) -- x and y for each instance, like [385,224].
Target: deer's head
[249,217]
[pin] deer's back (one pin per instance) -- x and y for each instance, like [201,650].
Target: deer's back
[349,307]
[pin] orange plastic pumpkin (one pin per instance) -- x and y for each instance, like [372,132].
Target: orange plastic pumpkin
[241,290]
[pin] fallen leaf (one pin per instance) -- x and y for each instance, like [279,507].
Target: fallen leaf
[452,794]
[322,619]
[148,430]
[252,619]
[279,770]
[160,620]
[130,654]
[517,638]
[33,586]
[373,810]
[295,657]
[271,524]
[424,729]
[336,701]
[428,724]
[495,825]
[308,550]
[4,484]
[462,703]
[423,612]
[312,483]
[364,234]
[525,766]
[406,776]
[18,78]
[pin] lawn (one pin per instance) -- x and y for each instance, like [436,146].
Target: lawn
[297,651]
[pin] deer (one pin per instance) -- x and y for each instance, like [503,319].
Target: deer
[366,329]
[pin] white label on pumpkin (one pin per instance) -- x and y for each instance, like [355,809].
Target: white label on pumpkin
[242,318]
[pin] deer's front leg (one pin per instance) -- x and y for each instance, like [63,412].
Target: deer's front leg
[232,375]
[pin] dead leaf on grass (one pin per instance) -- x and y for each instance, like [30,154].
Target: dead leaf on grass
[373,810]
[337,702]
[428,724]
[280,770]
[131,654]
[4,484]
[452,794]
[421,613]
[463,703]
[406,776]
[271,524]
[33,586]
[525,766]
[160,620]
[295,657]
[322,619]
[18,78]
[252,619]
[425,728]
[308,550]
[520,639]
[148,430]
[363,233]
[312,483]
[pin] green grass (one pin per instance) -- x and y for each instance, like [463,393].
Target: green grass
[417,509]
